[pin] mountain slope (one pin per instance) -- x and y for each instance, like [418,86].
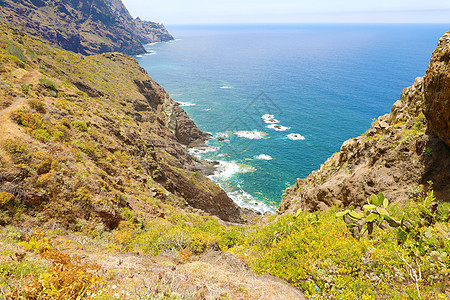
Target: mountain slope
[87,138]
[402,150]
[87,27]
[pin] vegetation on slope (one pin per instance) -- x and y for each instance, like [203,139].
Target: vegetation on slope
[314,252]
[86,138]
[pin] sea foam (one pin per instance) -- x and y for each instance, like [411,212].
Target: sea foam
[253,135]
[263,157]
[198,151]
[269,119]
[296,137]
[226,169]
[185,103]
[244,199]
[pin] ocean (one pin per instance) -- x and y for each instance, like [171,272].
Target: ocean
[280,99]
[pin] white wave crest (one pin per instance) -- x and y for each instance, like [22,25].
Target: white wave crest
[253,135]
[278,127]
[185,103]
[263,157]
[269,119]
[226,169]
[296,137]
[198,151]
[244,199]
[223,134]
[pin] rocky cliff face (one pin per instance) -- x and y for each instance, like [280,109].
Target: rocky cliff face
[87,27]
[402,150]
[437,91]
[90,137]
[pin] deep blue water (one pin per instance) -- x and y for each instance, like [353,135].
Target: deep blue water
[324,82]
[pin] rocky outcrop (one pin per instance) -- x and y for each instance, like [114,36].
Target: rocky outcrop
[437,91]
[86,27]
[402,150]
[186,131]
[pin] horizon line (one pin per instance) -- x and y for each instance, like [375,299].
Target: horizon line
[307,23]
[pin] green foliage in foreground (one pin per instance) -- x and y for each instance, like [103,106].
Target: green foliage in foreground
[316,252]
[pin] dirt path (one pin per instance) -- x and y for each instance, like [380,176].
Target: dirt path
[31,77]
[13,106]
[211,275]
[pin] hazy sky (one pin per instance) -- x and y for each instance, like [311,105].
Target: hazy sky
[290,11]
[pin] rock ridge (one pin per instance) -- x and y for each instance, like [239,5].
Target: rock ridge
[86,27]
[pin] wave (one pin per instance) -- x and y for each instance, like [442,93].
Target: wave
[198,151]
[278,127]
[296,137]
[185,103]
[253,135]
[244,199]
[226,169]
[263,157]
[223,134]
[269,119]
[207,109]
[226,87]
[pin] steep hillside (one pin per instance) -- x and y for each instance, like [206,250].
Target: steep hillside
[402,150]
[89,138]
[87,27]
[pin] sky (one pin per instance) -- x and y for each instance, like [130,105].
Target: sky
[171,12]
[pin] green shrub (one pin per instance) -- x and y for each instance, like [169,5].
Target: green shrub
[16,52]
[428,151]
[41,134]
[60,132]
[18,149]
[6,199]
[30,120]
[50,85]
[80,125]
[37,105]
[25,88]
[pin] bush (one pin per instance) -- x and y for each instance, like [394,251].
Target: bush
[6,199]
[18,149]
[41,134]
[50,85]
[80,125]
[37,105]
[30,120]
[16,52]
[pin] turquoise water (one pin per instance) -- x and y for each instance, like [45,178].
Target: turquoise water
[322,84]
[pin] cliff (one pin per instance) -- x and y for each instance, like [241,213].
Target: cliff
[402,150]
[89,137]
[86,27]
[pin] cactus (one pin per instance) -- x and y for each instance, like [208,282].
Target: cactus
[375,213]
